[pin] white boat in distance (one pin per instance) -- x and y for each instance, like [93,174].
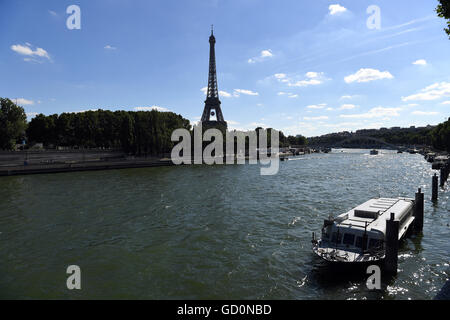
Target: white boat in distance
[358,236]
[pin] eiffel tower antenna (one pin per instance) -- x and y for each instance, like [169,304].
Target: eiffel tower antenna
[212,102]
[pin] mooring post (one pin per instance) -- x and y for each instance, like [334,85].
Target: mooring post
[434,188]
[418,210]
[391,256]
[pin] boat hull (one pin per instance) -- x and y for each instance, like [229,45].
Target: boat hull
[339,256]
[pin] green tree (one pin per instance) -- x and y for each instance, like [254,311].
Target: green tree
[298,140]
[141,133]
[42,129]
[65,131]
[443,11]
[13,122]
[440,136]
[126,132]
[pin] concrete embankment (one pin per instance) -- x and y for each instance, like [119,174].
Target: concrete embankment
[19,158]
[72,167]
[21,163]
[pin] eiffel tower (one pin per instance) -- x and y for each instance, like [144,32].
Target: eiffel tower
[212,102]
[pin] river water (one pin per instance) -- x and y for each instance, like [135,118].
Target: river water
[211,232]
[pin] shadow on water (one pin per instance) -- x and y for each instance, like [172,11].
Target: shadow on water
[349,278]
[330,275]
[352,278]
[435,205]
[416,239]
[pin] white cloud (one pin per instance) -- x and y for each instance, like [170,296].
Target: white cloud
[347,107]
[347,97]
[280,75]
[336,9]
[245,127]
[432,92]
[312,75]
[367,74]
[446,102]
[420,62]
[305,83]
[26,50]
[424,113]
[312,78]
[289,95]
[257,124]
[317,106]
[246,92]
[316,118]
[223,94]
[23,102]
[377,112]
[265,54]
[31,60]
[195,120]
[53,13]
[108,47]
[31,115]
[157,108]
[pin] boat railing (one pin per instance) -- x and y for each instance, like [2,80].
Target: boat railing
[375,251]
[339,219]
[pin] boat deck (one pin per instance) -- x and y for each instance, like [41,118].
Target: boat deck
[338,255]
[373,213]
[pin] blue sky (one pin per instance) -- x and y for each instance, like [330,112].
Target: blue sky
[304,67]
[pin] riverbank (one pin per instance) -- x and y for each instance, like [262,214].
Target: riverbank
[83,166]
[23,163]
[52,161]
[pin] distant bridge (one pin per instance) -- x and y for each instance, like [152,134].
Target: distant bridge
[354,140]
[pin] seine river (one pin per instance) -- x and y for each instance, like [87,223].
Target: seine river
[211,232]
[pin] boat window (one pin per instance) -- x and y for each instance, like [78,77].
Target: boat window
[359,243]
[374,243]
[336,238]
[349,239]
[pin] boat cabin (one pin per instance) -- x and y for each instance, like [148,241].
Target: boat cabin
[363,228]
